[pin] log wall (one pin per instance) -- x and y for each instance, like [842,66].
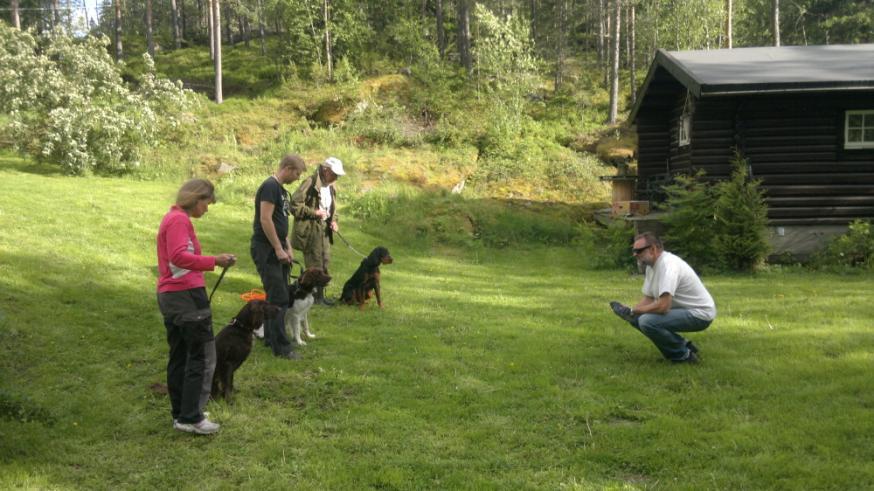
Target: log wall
[794,143]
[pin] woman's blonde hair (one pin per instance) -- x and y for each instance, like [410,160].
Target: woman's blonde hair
[193,191]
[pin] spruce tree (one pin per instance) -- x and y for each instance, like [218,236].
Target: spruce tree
[741,219]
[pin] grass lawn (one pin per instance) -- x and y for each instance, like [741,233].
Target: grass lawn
[499,369]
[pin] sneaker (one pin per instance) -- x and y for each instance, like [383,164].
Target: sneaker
[690,358]
[205,427]
[622,311]
[692,347]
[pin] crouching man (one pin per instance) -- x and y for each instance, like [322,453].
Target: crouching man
[674,300]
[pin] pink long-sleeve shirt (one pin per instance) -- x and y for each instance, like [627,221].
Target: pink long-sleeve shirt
[180,265]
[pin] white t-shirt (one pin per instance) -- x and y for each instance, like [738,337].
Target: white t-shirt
[325,202]
[670,274]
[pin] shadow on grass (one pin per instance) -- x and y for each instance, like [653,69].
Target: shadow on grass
[11,161]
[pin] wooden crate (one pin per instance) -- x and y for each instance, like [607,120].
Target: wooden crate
[630,207]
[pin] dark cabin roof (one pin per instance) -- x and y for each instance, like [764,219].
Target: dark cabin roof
[763,70]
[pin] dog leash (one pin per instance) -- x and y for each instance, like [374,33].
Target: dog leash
[348,244]
[217,283]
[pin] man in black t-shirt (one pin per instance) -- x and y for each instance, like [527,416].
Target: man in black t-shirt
[271,251]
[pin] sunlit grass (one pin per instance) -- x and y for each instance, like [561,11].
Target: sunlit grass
[488,368]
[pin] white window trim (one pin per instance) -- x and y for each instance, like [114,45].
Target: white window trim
[856,145]
[684,130]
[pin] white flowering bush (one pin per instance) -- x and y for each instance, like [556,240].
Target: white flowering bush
[68,105]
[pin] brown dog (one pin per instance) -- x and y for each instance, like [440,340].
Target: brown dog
[365,281]
[234,343]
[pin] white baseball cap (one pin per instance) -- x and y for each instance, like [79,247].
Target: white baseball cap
[335,165]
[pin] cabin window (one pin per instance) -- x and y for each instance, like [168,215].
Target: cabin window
[859,129]
[684,135]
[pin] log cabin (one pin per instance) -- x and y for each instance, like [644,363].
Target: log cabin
[803,116]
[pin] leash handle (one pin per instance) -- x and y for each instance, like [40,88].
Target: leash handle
[217,283]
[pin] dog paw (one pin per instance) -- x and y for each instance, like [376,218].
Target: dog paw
[311,335]
[300,342]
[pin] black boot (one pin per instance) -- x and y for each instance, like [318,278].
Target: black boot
[319,297]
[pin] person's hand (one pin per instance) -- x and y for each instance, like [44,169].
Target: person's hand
[335,227]
[226,260]
[321,214]
[282,256]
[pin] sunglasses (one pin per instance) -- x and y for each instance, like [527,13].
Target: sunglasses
[639,250]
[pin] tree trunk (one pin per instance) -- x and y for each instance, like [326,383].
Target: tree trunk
[614,73]
[533,8]
[244,29]
[174,19]
[559,43]
[441,29]
[200,23]
[183,26]
[775,22]
[602,19]
[261,32]
[118,48]
[632,53]
[211,27]
[150,41]
[16,18]
[217,49]
[729,12]
[56,13]
[463,35]
[329,62]
[229,33]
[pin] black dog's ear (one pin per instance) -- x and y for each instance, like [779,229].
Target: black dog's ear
[244,316]
[375,257]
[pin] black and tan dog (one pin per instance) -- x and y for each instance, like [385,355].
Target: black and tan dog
[234,343]
[361,286]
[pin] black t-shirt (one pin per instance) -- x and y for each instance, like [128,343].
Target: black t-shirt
[272,192]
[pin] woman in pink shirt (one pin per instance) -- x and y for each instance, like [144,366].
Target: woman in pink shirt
[184,304]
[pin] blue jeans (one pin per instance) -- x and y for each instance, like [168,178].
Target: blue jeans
[662,330]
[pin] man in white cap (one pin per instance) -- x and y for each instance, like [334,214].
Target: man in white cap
[314,206]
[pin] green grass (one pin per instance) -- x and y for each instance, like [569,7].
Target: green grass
[488,369]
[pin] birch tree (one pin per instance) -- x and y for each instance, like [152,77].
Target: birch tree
[174,19]
[16,18]
[775,22]
[150,42]
[217,49]
[119,52]
[729,12]
[615,51]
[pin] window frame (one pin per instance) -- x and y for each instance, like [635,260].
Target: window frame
[684,130]
[848,145]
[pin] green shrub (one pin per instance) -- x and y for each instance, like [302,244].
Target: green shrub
[690,221]
[852,249]
[741,220]
[607,247]
[718,227]
[69,106]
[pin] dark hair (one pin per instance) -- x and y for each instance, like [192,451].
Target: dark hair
[651,239]
[293,160]
[193,191]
